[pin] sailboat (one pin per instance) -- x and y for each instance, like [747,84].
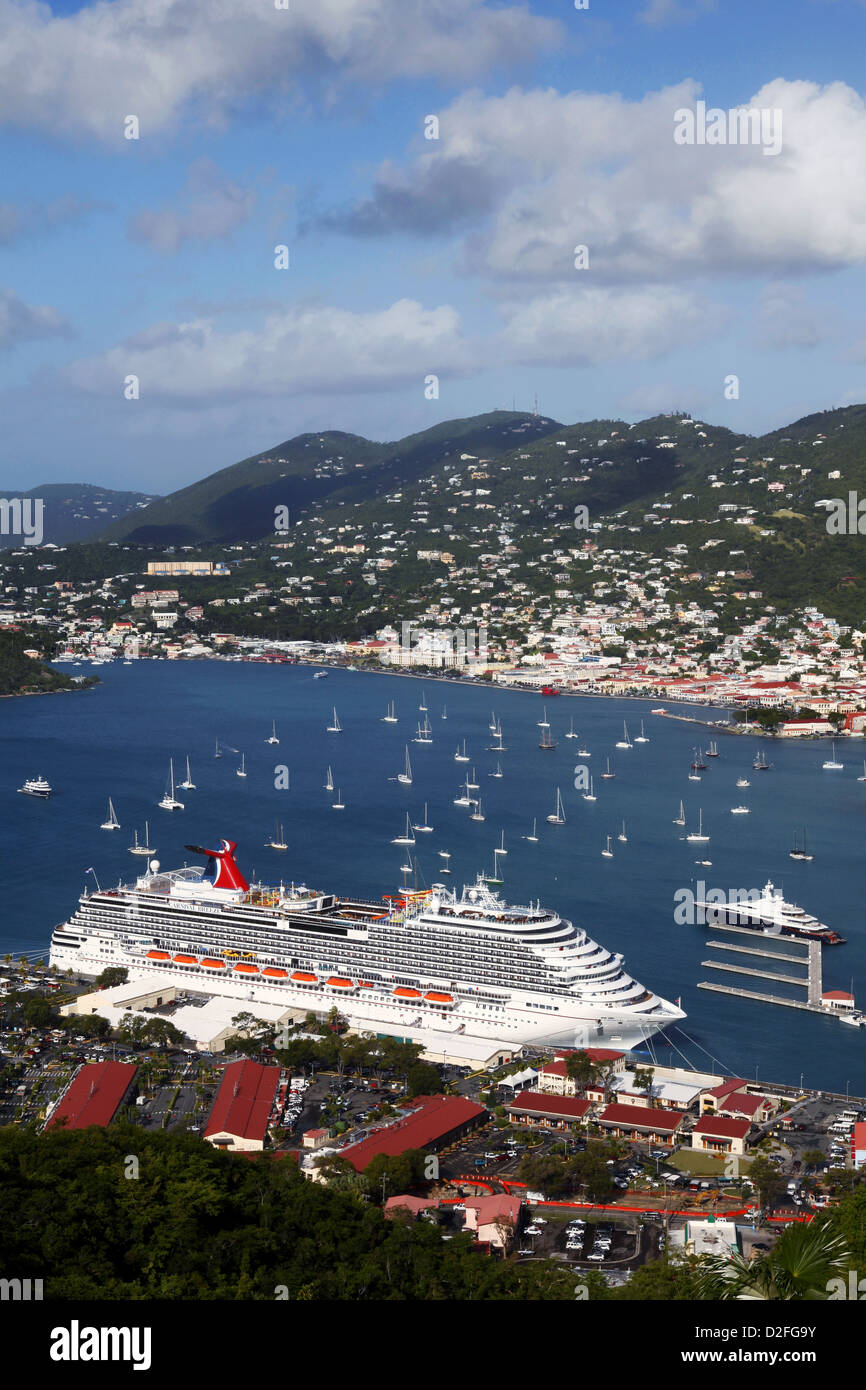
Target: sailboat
[218,753]
[831,765]
[607,775]
[278,841]
[407,838]
[146,848]
[584,753]
[800,853]
[443,854]
[694,776]
[744,782]
[461,757]
[242,770]
[463,799]
[339,804]
[700,838]
[273,738]
[492,725]
[681,818]
[641,738]
[423,705]
[571,733]
[533,838]
[625,741]
[334,727]
[590,795]
[497,773]
[863,778]
[622,835]
[406,775]
[169,801]
[425,827]
[472,786]
[497,747]
[607,852]
[544,723]
[558,817]
[390,715]
[425,733]
[760,764]
[502,849]
[546,742]
[477,814]
[713,751]
[445,716]
[698,765]
[112,823]
[329,780]
[188,784]
[496,876]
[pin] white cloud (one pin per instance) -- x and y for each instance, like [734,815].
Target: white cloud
[589,326]
[210,207]
[532,174]
[82,73]
[300,350]
[786,319]
[21,322]
[661,12]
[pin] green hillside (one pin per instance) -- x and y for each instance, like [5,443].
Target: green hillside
[75,511]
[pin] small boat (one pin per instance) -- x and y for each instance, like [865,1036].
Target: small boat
[544,723]
[800,853]
[146,848]
[334,727]
[407,838]
[406,775]
[698,765]
[218,753]
[496,876]
[590,795]
[278,841]
[739,810]
[502,849]
[390,715]
[571,733]
[425,733]
[607,775]
[329,780]
[443,854]
[853,1019]
[607,852]
[472,785]
[112,823]
[242,770]
[425,828]
[863,778]
[497,773]
[625,741]
[743,782]
[477,814]
[320,675]
[641,738]
[760,764]
[461,757]
[713,751]
[699,838]
[339,804]
[423,705]
[584,753]
[622,835]
[188,784]
[492,725]
[533,838]
[694,777]
[463,799]
[445,716]
[831,765]
[681,818]
[546,742]
[558,816]
[273,738]
[36,786]
[169,801]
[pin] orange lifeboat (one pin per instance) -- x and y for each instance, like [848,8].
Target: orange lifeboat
[403,993]
[212,964]
[247,969]
[158,955]
[304,977]
[274,973]
[436,997]
[185,960]
[340,982]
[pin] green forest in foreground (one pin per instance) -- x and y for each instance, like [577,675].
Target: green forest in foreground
[21,675]
[198,1224]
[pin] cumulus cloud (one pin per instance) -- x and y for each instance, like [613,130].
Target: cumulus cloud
[526,176]
[591,326]
[306,349]
[210,207]
[82,73]
[22,323]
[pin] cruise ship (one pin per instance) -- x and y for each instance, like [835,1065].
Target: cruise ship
[467,962]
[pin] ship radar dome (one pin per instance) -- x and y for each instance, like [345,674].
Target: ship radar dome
[154,866]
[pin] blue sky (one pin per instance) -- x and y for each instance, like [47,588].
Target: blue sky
[409,257]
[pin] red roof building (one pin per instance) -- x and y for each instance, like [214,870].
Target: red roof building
[721,1134]
[94,1095]
[547,1111]
[641,1121]
[242,1109]
[434,1122]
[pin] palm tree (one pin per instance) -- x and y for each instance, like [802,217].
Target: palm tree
[799,1266]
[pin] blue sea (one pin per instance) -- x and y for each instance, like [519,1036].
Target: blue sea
[116,740]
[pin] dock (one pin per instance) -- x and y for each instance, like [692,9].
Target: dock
[804,953]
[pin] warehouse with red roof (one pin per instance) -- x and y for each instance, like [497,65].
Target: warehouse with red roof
[641,1122]
[242,1109]
[434,1122]
[94,1095]
[552,1112]
[721,1134]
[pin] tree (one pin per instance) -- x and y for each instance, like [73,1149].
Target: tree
[766,1179]
[113,975]
[800,1266]
[424,1079]
[643,1080]
[582,1070]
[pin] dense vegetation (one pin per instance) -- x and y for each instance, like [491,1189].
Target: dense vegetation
[22,675]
